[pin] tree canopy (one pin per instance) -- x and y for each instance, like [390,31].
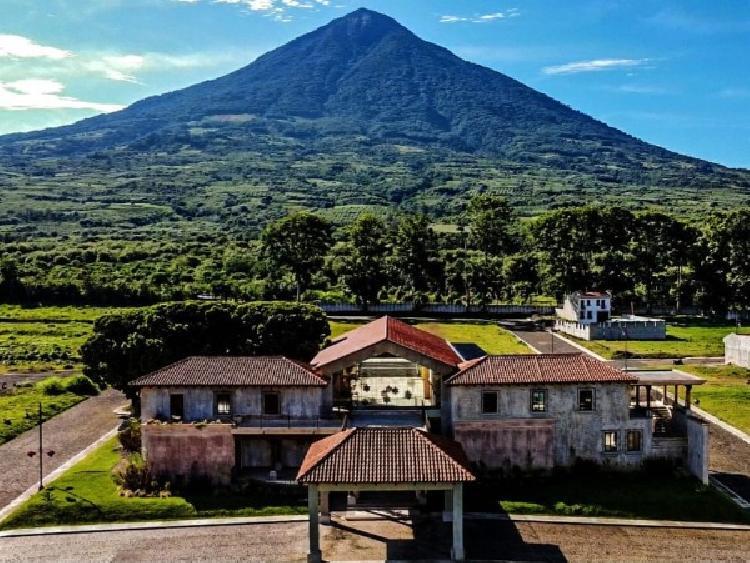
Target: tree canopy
[124,347]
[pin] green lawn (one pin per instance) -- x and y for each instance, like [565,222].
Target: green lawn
[682,341]
[490,337]
[86,493]
[726,393]
[19,408]
[640,494]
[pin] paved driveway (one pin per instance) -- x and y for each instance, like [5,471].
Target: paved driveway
[546,342]
[386,539]
[67,434]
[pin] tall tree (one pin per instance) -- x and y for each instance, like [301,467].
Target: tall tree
[414,252]
[299,243]
[364,266]
[490,218]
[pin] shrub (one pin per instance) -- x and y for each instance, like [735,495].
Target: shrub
[132,473]
[130,435]
[80,385]
[52,386]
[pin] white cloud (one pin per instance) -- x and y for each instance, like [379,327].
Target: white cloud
[277,10]
[35,94]
[17,46]
[595,65]
[481,18]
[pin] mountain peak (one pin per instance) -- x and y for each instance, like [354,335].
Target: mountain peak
[364,23]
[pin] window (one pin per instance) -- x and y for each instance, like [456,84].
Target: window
[610,441]
[538,400]
[271,403]
[223,404]
[585,399]
[583,315]
[176,409]
[588,315]
[634,439]
[489,402]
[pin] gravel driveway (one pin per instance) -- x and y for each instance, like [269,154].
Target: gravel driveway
[386,539]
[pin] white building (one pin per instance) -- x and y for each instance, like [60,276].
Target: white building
[737,350]
[586,307]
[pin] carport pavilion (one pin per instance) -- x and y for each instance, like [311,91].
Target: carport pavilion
[384,459]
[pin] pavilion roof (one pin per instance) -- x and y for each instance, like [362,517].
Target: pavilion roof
[384,455]
[388,329]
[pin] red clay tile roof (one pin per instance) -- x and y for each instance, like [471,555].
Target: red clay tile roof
[595,294]
[392,330]
[272,371]
[538,368]
[384,456]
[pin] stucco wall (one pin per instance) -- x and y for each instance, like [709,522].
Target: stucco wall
[198,402]
[737,350]
[184,451]
[575,434]
[652,329]
[698,450]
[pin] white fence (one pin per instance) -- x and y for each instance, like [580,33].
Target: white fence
[436,309]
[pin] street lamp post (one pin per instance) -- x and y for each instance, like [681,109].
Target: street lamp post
[40,451]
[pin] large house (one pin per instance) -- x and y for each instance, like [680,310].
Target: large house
[221,416]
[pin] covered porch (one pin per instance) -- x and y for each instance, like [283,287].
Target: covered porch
[656,395]
[384,459]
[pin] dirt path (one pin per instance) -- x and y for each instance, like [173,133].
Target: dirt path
[386,539]
[66,434]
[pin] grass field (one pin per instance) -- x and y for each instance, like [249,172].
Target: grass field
[682,340]
[86,493]
[640,494]
[44,338]
[490,337]
[19,408]
[726,393]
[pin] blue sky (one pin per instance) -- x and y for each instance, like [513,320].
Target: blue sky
[675,73]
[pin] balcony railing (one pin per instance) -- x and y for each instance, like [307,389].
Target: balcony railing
[284,421]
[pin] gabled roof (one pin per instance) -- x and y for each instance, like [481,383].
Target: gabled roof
[593,294]
[538,368]
[271,371]
[391,330]
[385,455]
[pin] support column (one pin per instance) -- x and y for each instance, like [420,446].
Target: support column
[637,396]
[664,396]
[648,397]
[457,553]
[688,393]
[448,506]
[676,397]
[314,555]
[325,509]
